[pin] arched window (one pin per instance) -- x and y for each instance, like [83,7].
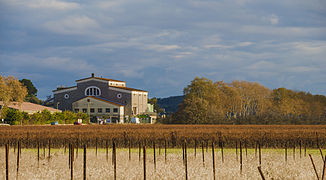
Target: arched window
[92,91]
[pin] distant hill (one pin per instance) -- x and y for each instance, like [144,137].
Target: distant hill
[170,104]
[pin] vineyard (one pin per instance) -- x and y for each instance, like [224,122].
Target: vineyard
[209,149]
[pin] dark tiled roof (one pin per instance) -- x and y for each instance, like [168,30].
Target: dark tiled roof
[62,88]
[130,89]
[106,100]
[105,79]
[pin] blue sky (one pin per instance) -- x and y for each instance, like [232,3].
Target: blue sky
[161,45]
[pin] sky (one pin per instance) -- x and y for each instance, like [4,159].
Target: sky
[161,45]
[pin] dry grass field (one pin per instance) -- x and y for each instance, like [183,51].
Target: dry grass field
[273,165]
[273,141]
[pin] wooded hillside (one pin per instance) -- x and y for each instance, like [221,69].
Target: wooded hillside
[242,102]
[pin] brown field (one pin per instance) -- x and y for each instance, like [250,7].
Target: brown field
[297,141]
[274,136]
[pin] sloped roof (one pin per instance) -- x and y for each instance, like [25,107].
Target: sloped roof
[63,88]
[29,107]
[130,89]
[105,79]
[105,100]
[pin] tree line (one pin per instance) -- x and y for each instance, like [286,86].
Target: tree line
[16,117]
[243,102]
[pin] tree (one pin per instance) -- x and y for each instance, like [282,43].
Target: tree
[11,90]
[32,91]
[202,104]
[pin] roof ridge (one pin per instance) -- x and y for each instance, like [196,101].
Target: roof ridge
[110,101]
[128,88]
[106,79]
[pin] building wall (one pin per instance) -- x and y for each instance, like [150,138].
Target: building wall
[139,100]
[110,93]
[96,104]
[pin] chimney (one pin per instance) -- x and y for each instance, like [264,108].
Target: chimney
[92,74]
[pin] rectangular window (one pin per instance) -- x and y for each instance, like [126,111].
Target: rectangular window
[84,110]
[107,110]
[92,110]
[76,110]
[115,110]
[99,110]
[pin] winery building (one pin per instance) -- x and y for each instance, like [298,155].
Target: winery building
[102,97]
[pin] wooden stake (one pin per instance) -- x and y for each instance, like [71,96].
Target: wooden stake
[129,150]
[195,148]
[96,147]
[38,153]
[107,150]
[84,167]
[202,151]
[256,149]
[18,156]
[300,147]
[213,158]
[49,156]
[261,173]
[259,154]
[305,149]
[165,150]
[7,161]
[183,153]
[236,150]
[144,160]
[43,150]
[322,177]
[154,156]
[159,148]
[115,160]
[206,146]
[222,152]
[139,151]
[321,153]
[286,152]
[313,164]
[185,161]
[69,155]
[65,145]
[77,146]
[240,148]
[294,151]
[72,162]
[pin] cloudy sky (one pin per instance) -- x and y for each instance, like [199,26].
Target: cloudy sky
[161,45]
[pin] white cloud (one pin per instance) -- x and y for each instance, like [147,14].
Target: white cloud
[244,44]
[221,46]
[302,69]
[44,4]
[46,63]
[159,47]
[310,48]
[273,19]
[72,25]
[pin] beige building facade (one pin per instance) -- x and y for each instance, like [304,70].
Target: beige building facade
[100,107]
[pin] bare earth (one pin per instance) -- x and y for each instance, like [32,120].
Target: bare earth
[98,167]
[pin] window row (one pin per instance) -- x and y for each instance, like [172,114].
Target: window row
[99,110]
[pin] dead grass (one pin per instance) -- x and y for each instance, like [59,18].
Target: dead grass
[273,165]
